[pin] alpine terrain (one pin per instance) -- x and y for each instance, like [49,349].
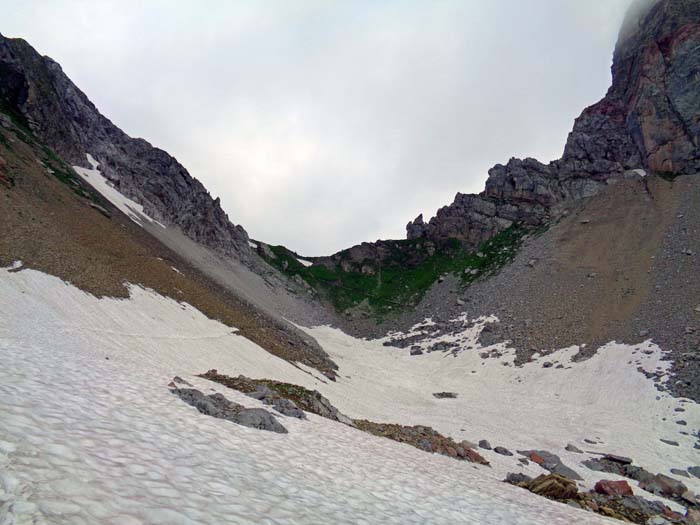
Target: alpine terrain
[530,354]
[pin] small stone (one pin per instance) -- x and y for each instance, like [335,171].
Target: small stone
[695,471]
[517,478]
[502,451]
[574,448]
[547,364]
[669,442]
[679,472]
[416,351]
[585,221]
[681,422]
[618,459]
[484,444]
[445,395]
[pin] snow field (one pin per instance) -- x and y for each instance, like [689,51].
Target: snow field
[89,432]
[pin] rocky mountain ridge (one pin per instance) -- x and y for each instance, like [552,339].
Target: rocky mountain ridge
[647,123]
[36,90]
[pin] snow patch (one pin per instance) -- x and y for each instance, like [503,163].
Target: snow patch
[90,433]
[132,209]
[535,406]
[304,262]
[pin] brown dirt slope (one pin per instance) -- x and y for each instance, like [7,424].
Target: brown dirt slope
[52,222]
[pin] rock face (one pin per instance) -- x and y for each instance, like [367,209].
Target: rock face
[649,120]
[35,89]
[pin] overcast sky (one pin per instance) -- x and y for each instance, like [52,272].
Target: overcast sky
[322,124]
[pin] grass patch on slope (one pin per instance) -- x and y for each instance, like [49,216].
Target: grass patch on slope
[66,174]
[401,279]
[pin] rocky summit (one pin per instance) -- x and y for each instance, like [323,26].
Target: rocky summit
[646,123]
[530,354]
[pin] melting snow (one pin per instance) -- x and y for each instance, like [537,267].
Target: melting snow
[89,432]
[305,262]
[132,209]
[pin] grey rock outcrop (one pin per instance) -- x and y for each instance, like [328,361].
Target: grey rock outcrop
[284,406]
[646,123]
[216,405]
[36,89]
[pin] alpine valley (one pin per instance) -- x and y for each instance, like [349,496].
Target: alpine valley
[529,355]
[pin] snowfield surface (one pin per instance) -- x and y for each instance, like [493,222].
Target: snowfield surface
[89,432]
[132,209]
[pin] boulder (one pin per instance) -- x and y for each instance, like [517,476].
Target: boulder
[613,488]
[663,485]
[484,444]
[553,486]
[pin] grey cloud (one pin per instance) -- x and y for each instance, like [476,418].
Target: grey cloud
[323,124]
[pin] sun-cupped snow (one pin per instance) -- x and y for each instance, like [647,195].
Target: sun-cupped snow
[91,434]
[132,209]
[608,399]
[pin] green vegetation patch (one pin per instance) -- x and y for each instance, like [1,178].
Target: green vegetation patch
[403,276]
[65,174]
